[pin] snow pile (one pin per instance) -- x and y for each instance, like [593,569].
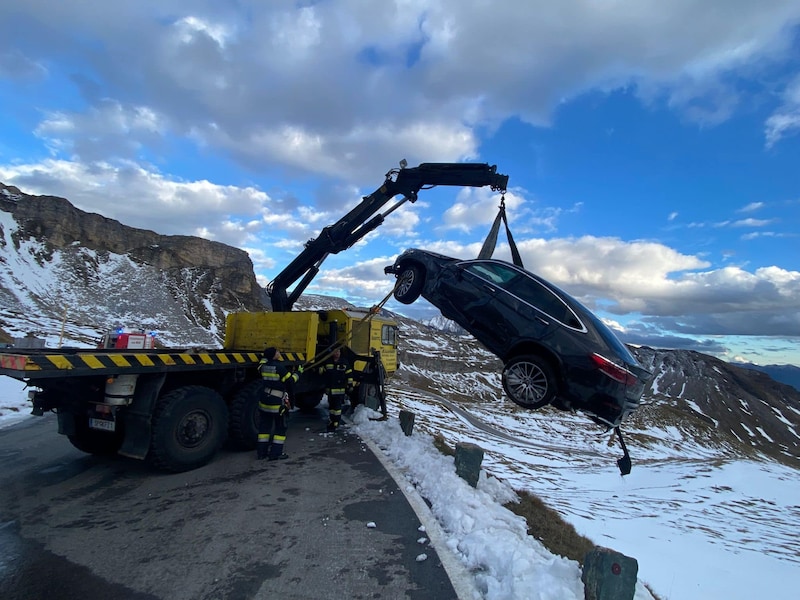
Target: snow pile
[490,540]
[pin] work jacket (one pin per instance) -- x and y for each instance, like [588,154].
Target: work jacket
[338,376]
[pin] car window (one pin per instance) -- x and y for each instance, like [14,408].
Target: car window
[496,273]
[611,339]
[526,288]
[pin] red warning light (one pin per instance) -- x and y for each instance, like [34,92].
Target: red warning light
[616,569]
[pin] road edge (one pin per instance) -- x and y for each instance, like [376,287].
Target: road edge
[461,579]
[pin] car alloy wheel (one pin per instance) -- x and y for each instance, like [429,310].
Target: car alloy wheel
[529,381]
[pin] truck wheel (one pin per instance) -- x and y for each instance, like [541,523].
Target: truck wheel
[371,391]
[92,441]
[189,426]
[307,400]
[409,284]
[243,427]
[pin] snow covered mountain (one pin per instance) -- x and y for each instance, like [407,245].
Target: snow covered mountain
[61,267]
[444,324]
[70,276]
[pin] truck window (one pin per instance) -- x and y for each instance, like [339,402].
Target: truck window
[389,335]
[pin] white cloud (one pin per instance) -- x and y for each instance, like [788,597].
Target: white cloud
[151,200]
[752,207]
[309,86]
[785,120]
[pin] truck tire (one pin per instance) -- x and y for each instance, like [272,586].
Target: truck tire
[92,441]
[189,426]
[308,401]
[370,392]
[243,426]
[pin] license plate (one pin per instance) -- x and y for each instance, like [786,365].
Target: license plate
[102,424]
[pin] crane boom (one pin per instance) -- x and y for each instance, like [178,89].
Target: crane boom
[405,181]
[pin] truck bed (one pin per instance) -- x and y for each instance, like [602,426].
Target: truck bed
[48,363]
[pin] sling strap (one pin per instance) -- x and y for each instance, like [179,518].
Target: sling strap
[490,243]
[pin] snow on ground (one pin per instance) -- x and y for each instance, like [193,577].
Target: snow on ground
[700,527]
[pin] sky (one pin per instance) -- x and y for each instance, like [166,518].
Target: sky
[651,147]
[698,527]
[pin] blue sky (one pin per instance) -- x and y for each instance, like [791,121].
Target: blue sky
[651,147]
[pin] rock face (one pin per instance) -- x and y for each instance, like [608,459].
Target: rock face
[86,248]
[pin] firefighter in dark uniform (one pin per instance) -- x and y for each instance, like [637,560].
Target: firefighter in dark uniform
[338,381]
[273,407]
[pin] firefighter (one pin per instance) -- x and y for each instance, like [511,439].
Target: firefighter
[338,374]
[275,404]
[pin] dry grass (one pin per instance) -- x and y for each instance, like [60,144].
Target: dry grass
[547,526]
[442,446]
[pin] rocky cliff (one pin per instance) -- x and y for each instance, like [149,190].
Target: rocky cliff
[88,257]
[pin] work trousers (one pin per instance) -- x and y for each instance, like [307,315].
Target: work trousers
[335,403]
[271,429]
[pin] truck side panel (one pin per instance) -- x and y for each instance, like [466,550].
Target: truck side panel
[293,333]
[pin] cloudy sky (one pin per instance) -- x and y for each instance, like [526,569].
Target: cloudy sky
[652,147]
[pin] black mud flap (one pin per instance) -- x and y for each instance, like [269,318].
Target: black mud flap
[66,423]
[139,415]
[623,463]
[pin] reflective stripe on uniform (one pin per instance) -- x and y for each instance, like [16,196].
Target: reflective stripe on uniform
[270,408]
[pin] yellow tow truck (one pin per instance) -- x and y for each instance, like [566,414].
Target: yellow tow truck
[176,407]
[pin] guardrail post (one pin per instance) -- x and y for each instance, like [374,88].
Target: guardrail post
[468,462]
[609,575]
[406,422]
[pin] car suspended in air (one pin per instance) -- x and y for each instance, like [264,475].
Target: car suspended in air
[554,350]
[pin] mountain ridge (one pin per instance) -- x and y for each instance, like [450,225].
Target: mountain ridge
[69,274]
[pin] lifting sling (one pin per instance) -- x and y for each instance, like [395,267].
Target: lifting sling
[491,240]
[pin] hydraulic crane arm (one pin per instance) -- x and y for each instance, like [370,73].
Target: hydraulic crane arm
[405,181]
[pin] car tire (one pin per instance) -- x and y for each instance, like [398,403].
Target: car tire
[529,381]
[410,280]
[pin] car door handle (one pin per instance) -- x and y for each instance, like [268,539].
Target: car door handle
[489,288]
[541,320]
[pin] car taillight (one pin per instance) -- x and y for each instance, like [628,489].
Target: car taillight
[614,371]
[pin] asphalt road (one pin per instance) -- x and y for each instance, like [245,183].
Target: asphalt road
[78,526]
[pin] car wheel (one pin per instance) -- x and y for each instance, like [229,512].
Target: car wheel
[529,381]
[409,284]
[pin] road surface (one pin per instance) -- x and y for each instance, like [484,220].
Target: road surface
[78,526]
